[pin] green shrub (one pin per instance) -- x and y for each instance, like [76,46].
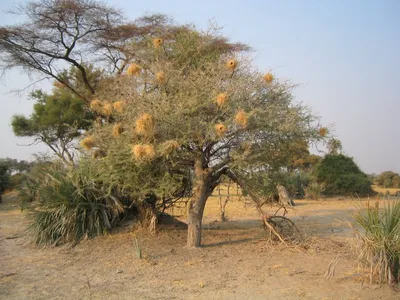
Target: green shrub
[347,184]
[72,205]
[379,245]
[294,182]
[16,180]
[342,176]
[388,179]
[4,177]
[314,190]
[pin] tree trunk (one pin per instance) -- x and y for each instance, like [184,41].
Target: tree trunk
[284,197]
[202,191]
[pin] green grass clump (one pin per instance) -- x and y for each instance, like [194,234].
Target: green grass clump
[71,205]
[379,241]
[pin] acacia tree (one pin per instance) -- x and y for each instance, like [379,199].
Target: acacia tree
[61,34]
[57,120]
[196,102]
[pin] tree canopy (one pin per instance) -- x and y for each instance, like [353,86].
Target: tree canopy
[198,106]
[176,108]
[57,120]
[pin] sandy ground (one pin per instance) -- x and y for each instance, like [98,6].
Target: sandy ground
[235,262]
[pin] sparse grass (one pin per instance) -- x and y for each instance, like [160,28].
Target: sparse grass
[381,190]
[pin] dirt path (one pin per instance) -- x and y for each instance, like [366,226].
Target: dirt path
[235,263]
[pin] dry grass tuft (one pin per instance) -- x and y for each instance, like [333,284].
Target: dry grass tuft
[221,99]
[144,125]
[118,106]
[157,42]
[241,118]
[231,65]
[143,152]
[169,146]
[220,129]
[117,130]
[323,131]
[98,153]
[88,142]
[96,105]
[160,77]
[268,77]
[133,69]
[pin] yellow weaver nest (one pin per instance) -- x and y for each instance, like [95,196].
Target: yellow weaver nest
[144,125]
[160,77]
[157,42]
[221,99]
[231,65]
[323,131]
[96,105]
[220,129]
[133,69]
[108,109]
[143,152]
[169,146]
[117,130]
[59,85]
[241,118]
[118,106]
[88,142]
[268,77]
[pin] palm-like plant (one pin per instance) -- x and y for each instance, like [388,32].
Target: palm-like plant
[379,245]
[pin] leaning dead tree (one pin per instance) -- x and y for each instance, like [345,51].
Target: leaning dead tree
[278,227]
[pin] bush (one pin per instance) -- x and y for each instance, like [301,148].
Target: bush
[4,178]
[72,205]
[294,182]
[388,179]
[348,184]
[379,245]
[314,190]
[16,180]
[342,176]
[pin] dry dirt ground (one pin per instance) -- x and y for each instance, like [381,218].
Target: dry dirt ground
[236,261]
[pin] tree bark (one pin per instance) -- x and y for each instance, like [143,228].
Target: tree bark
[203,189]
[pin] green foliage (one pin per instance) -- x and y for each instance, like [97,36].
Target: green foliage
[16,180]
[4,177]
[295,182]
[334,146]
[388,179]
[314,190]
[57,120]
[342,176]
[72,204]
[380,240]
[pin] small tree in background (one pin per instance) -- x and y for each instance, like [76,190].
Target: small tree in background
[334,146]
[388,179]
[57,120]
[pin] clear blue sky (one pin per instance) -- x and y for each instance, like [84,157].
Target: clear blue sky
[344,54]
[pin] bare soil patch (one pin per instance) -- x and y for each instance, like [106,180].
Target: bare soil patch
[236,262]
